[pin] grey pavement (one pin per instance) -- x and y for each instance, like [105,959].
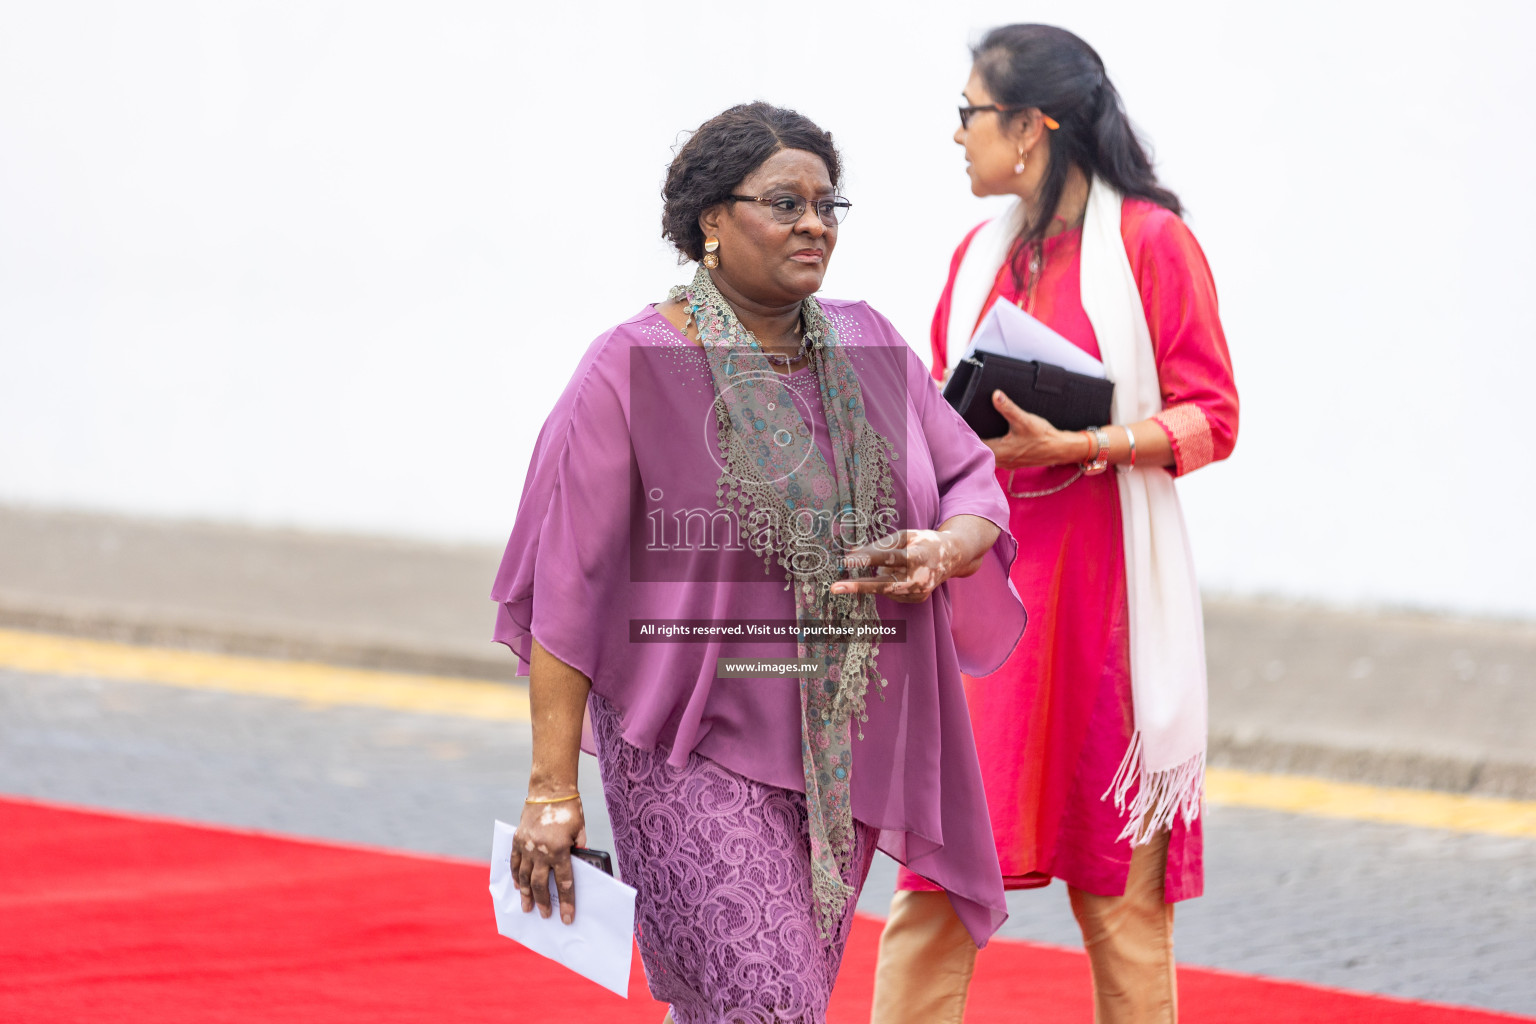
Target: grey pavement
[1393,699]
[1402,911]
[275,593]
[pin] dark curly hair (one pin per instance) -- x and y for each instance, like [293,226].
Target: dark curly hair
[723,151]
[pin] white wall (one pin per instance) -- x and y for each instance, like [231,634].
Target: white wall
[326,264]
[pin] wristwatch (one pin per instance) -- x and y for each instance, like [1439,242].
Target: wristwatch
[1099,461]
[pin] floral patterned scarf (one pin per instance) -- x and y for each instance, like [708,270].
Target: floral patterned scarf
[805,515]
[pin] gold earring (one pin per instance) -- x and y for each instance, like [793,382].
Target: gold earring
[710,245]
[1018,168]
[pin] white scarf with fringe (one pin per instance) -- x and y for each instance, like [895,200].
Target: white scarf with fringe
[1166,755]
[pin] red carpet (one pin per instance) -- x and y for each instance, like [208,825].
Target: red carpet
[107,918]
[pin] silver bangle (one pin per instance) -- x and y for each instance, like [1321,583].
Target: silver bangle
[1130,439]
[1100,461]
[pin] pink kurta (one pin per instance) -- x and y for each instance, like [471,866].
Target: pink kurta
[1053,724]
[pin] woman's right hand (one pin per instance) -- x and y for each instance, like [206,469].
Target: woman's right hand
[1031,440]
[542,847]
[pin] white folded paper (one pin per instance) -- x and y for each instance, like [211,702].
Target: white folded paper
[597,945]
[1009,331]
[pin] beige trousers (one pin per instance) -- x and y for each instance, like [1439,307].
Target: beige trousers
[927,957]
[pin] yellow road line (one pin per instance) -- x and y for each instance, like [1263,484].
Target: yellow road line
[323,685]
[1322,798]
[328,685]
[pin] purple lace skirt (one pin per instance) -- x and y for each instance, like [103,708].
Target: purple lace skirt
[722,867]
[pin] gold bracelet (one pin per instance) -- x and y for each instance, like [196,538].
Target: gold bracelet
[551,799]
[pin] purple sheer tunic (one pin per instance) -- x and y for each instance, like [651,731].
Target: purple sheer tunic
[630,445]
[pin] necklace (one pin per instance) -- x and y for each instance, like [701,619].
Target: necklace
[1035,252]
[718,324]
[1027,302]
[781,359]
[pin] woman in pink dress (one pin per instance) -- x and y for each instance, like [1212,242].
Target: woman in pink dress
[1092,735]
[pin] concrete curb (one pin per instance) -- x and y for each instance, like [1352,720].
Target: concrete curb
[1397,699]
[104,625]
[1228,748]
[1471,776]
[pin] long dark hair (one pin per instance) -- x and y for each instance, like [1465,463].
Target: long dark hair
[1052,69]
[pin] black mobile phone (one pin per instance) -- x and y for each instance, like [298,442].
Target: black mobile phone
[597,858]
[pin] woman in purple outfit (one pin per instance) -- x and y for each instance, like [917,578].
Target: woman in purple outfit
[778,475]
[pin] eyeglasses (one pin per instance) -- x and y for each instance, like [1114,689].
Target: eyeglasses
[966,112]
[788,208]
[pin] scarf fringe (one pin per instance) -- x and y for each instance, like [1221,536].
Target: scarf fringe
[1179,790]
[830,898]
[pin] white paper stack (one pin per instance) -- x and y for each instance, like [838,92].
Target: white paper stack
[1009,331]
[597,945]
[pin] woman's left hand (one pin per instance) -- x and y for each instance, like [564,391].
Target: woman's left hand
[911,564]
[1031,440]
